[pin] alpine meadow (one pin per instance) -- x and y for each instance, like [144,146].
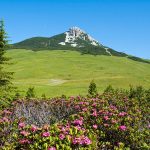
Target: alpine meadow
[66,72]
[61,88]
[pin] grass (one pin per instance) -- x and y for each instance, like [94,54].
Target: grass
[60,72]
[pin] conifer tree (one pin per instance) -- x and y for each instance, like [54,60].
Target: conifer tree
[5,77]
[92,88]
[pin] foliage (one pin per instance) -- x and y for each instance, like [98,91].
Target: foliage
[30,93]
[112,120]
[92,89]
[5,77]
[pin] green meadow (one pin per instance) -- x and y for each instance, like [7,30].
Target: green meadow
[60,72]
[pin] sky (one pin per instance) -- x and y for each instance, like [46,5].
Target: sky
[123,25]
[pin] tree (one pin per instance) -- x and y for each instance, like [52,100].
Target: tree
[5,77]
[30,93]
[92,88]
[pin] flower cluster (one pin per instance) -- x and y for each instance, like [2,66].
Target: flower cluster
[108,121]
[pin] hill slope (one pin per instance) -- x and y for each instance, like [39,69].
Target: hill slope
[73,39]
[68,72]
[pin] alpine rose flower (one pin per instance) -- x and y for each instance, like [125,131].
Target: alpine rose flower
[24,141]
[95,113]
[34,128]
[51,148]
[61,136]
[95,126]
[121,114]
[45,134]
[21,125]
[83,140]
[87,141]
[78,122]
[24,133]
[123,128]
[106,117]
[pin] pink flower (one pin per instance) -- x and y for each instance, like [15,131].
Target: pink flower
[113,121]
[94,104]
[95,126]
[94,113]
[24,141]
[77,107]
[72,97]
[1,121]
[24,133]
[7,112]
[123,128]
[84,109]
[106,118]
[34,128]
[5,119]
[76,141]
[78,127]
[106,125]
[87,141]
[78,122]
[45,134]
[82,140]
[21,125]
[51,148]
[61,136]
[121,114]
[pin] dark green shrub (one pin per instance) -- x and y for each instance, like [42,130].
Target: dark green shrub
[92,88]
[30,93]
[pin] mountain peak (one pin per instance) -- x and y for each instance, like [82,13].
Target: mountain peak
[76,31]
[77,37]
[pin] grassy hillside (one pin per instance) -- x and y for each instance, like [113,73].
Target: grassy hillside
[68,72]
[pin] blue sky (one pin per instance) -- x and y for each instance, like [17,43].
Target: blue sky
[123,25]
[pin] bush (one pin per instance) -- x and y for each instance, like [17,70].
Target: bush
[92,89]
[107,121]
[30,93]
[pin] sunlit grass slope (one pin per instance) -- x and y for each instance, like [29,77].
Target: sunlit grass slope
[60,72]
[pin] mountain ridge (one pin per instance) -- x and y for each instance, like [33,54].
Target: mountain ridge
[74,39]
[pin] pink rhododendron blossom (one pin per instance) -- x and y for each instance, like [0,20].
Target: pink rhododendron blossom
[106,118]
[78,122]
[78,127]
[7,112]
[83,140]
[24,141]
[52,148]
[106,125]
[123,128]
[87,141]
[77,107]
[95,126]
[5,119]
[84,109]
[94,104]
[110,114]
[113,121]
[113,107]
[1,120]
[121,114]
[24,133]
[94,113]
[45,134]
[61,136]
[34,128]
[21,125]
